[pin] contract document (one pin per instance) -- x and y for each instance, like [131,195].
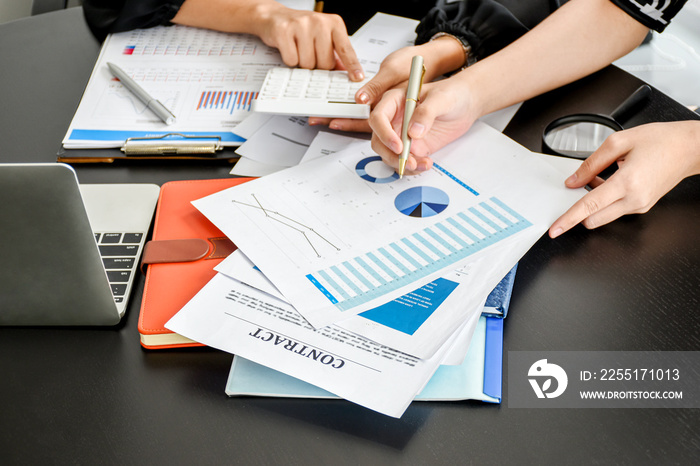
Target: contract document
[237,318]
[339,235]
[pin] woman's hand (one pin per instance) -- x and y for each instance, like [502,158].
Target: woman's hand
[308,39]
[445,112]
[440,56]
[651,158]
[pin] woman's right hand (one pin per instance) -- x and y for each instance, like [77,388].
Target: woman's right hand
[446,110]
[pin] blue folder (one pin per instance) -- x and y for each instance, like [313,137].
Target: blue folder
[499,299]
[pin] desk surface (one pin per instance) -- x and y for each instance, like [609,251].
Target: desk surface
[92,396]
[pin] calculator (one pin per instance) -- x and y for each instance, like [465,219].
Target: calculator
[318,93]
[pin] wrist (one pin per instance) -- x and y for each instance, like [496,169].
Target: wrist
[458,49]
[260,16]
[694,126]
[467,82]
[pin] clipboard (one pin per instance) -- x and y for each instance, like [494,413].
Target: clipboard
[168,146]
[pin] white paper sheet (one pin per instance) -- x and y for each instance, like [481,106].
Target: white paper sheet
[326,143]
[281,141]
[380,36]
[334,240]
[233,317]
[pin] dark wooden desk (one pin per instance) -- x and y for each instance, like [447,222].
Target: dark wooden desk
[93,396]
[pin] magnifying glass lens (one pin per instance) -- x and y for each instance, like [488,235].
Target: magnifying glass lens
[580,135]
[577,139]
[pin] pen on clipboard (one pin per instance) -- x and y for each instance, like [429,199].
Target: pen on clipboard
[152,103]
[415,80]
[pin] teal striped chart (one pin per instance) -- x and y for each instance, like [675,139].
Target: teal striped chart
[369,276]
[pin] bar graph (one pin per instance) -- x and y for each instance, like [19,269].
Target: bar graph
[368,276]
[227,101]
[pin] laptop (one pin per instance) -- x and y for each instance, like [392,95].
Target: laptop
[69,252]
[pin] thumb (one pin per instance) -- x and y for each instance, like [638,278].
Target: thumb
[375,88]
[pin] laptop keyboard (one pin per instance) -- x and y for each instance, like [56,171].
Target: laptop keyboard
[120,253]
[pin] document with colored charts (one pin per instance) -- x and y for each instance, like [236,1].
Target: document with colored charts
[207,79]
[419,322]
[342,234]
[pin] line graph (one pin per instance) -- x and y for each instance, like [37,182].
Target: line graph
[304,230]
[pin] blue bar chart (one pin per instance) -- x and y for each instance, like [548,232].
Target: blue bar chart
[366,277]
[227,101]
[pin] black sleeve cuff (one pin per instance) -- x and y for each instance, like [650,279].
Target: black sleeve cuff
[485,24]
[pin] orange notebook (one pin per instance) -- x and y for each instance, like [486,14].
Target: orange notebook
[181,258]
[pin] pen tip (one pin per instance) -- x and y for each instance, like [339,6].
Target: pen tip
[402,167]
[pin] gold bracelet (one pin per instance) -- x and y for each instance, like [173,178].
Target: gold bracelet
[469,58]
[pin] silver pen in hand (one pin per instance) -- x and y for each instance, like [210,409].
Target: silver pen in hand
[415,80]
[152,103]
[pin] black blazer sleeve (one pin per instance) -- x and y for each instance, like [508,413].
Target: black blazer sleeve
[652,14]
[107,16]
[486,25]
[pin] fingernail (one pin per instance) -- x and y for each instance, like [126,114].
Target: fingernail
[556,232]
[363,98]
[395,148]
[359,75]
[571,179]
[334,125]
[421,167]
[417,130]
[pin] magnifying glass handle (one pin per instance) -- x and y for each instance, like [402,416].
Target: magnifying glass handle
[640,95]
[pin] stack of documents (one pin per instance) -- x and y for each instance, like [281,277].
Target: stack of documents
[363,284]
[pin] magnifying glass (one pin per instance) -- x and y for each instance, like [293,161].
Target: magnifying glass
[579,135]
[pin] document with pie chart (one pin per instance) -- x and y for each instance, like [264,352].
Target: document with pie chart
[342,234]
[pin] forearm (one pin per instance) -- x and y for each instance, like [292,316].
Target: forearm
[244,16]
[693,143]
[580,38]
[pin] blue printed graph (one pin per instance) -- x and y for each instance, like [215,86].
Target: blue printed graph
[422,201]
[370,169]
[226,101]
[439,245]
[409,312]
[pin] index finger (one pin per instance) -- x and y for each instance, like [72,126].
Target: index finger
[599,199]
[381,119]
[346,54]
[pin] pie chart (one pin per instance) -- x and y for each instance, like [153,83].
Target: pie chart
[422,201]
[372,169]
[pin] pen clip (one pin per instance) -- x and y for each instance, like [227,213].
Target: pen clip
[420,84]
